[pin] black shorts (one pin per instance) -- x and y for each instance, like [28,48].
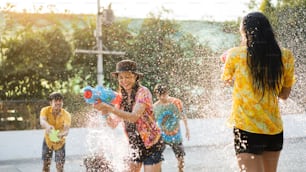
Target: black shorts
[246,142]
[150,156]
[178,149]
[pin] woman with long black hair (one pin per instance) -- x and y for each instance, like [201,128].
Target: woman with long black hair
[261,73]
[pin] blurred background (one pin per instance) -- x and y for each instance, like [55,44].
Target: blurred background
[48,46]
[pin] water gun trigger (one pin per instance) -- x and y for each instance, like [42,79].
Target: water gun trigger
[98,101]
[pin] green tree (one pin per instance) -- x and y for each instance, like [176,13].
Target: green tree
[268,9]
[155,48]
[33,64]
[291,33]
[84,66]
[115,37]
[291,3]
[159,46]
[168,55]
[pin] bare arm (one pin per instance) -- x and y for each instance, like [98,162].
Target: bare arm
[65,132]
[285,92]
[67,123]
[186,127]
[127,116]
[45,124]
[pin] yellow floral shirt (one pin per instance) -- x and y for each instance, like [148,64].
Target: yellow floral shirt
[249,111]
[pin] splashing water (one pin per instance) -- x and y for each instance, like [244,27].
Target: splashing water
[212,99]
[208,98]
[106,143]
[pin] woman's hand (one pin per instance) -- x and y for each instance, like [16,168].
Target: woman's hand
[112,122]
[229,82]
[103,107]
[285,92]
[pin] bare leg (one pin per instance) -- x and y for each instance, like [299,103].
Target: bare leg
[250,162]
[270,160]
[180,164]
[46,165]
[153,168]
[60,166]
[134,167]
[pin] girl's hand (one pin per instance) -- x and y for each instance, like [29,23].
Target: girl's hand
[229,82]
[187,134]
[111,122]
[103,107]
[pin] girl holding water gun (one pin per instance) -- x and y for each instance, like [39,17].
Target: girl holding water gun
[136,112]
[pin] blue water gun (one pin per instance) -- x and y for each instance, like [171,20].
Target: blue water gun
[100,94]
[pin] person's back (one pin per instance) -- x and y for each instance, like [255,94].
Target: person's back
[261,107]
[262,73]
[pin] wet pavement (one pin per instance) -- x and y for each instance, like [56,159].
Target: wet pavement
[20,150]
[219,158]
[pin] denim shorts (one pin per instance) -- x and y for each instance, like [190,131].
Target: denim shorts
[150,156]
[154,158]
[246,142]
[47,153]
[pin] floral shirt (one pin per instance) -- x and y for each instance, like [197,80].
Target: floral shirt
[249,111]
[146,127]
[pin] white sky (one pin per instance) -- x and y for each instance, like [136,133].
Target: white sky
[218,10]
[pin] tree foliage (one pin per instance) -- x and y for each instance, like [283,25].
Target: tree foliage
[288,18]
[159,47]
[291,33]
[33,63]
[115,37]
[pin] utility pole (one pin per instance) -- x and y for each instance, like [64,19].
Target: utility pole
[98,34]
[100,46]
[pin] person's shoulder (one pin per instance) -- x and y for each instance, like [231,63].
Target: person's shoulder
[156,103]
[287,56]
[143,89]
[177,102]
[174,99]
[46,108]
[144,93]
[286,52]
[66,112]
[235,50]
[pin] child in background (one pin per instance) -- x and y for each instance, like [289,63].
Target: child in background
[168,112]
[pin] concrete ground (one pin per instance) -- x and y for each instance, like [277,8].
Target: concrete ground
[209,150]
[198,159]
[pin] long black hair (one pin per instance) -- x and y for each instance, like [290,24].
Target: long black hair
[128,106]
[264,56]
